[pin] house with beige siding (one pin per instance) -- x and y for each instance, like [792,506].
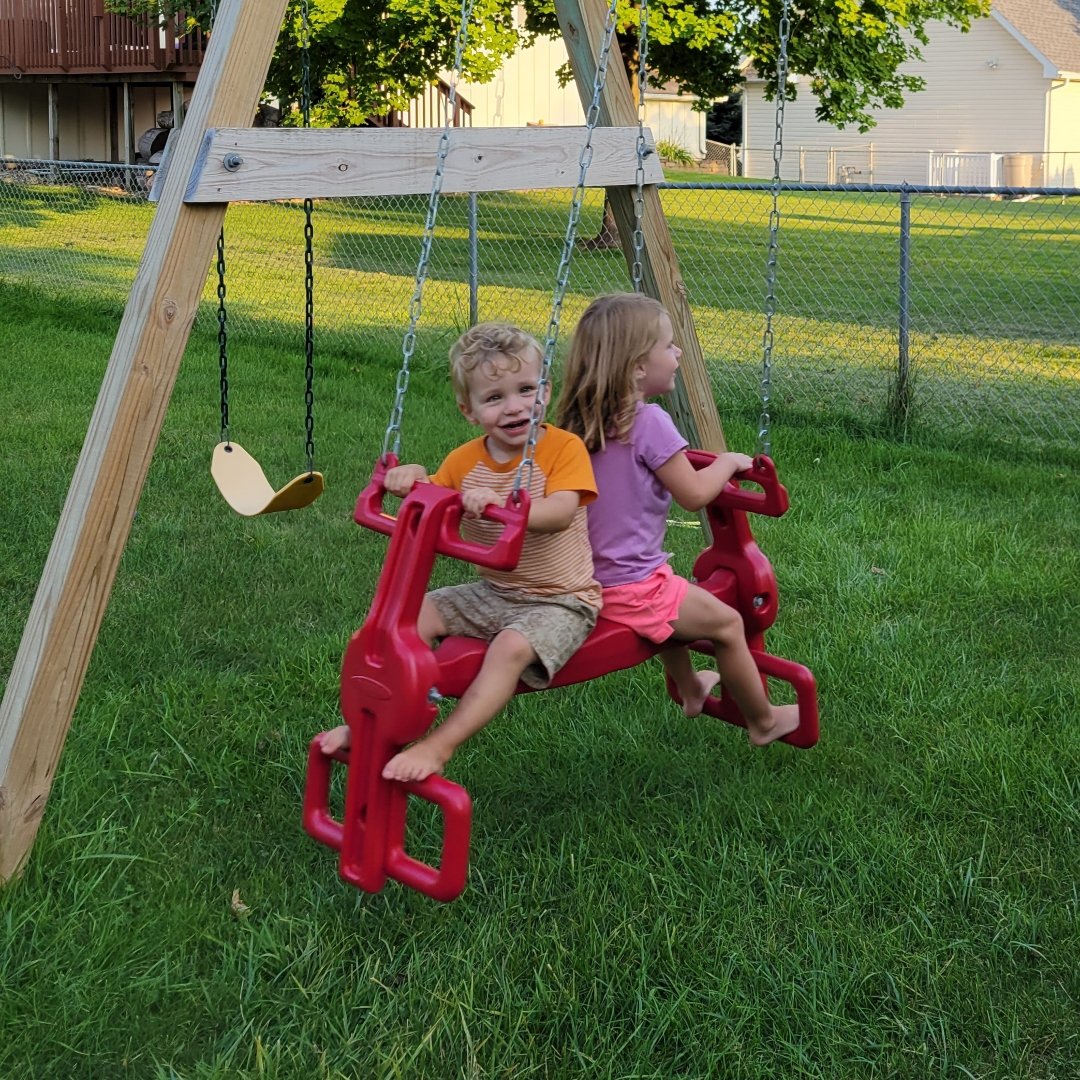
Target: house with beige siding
[1001,106]
[525,92]
[78,82]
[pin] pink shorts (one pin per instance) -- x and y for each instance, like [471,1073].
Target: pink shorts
[648,607]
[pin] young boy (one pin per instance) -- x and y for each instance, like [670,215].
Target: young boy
[536,616]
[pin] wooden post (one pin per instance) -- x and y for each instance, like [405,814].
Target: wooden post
[55,650]
[54,121]
[692,402]
[129,125]
[176,88]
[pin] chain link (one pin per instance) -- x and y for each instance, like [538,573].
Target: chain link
[523,478]
[223,339]
[223,333]
[309,252]
[309,336]
[639,190]
[392,438]
[763,444]
[305,64]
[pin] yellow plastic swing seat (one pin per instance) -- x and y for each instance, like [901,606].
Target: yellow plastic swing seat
[243,484]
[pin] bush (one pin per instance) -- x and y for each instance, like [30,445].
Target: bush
[672,153]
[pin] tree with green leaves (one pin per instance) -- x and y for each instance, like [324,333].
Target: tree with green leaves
[852,50]
[368,56]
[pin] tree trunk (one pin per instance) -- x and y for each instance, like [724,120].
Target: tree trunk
[608,236]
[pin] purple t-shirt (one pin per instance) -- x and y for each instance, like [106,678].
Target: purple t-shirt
[628,519]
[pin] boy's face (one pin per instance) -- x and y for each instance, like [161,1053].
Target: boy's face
[501,402]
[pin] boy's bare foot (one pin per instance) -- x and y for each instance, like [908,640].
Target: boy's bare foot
[694,702]
[416,762]
[785,719]
[336,739]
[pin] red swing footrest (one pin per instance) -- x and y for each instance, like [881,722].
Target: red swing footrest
[799,677]
[368,857]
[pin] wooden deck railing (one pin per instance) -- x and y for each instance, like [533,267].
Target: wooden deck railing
[79,37]
[54,37]
[428,109]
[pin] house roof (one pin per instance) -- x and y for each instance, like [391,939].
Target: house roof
[1050,28]
[669,89]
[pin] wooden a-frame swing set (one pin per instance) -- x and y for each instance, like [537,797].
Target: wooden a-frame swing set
[212,160]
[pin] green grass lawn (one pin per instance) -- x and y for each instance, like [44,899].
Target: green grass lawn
[649,897]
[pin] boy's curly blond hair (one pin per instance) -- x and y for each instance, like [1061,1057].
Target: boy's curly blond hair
[489,347]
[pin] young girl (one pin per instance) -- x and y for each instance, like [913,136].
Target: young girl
[622,352]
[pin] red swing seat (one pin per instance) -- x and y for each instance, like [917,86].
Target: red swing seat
[391,679]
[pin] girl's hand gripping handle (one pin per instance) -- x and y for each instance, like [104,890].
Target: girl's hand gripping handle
[771,500]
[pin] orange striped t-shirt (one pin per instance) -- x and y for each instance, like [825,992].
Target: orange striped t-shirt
[551,563]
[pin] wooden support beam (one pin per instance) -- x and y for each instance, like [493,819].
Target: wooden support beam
[54,121]
[129,125]
[294,163]
[692,402]
[55,650]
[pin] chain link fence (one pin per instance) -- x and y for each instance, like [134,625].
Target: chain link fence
[723,158]
[923,308]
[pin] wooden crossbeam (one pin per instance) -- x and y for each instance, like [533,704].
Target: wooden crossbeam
[295,163]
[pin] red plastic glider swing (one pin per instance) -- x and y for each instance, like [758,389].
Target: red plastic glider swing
[389,674]
[391,680]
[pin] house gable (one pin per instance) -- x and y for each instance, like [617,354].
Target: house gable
[1049,29]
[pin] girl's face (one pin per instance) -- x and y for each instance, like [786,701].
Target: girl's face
[656,373]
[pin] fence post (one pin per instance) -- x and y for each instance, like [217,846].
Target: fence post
[474,261]
[898,409]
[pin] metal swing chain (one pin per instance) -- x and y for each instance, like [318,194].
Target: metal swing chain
[523,477]
[763,445]
[223,333]
[309,252]
[223,339]
[392,438]
[309,307]
[639,191]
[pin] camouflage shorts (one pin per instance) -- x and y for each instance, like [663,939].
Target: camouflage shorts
[555,626]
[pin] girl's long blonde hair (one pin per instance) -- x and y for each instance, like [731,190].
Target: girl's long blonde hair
[599,393]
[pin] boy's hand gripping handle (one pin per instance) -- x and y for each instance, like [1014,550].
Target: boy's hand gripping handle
[502,555]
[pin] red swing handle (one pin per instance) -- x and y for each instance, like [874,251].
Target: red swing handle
[502,555]
[771,500]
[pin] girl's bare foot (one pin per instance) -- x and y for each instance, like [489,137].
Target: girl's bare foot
[785,719]
[416,762]
[694,701]
[336,739]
